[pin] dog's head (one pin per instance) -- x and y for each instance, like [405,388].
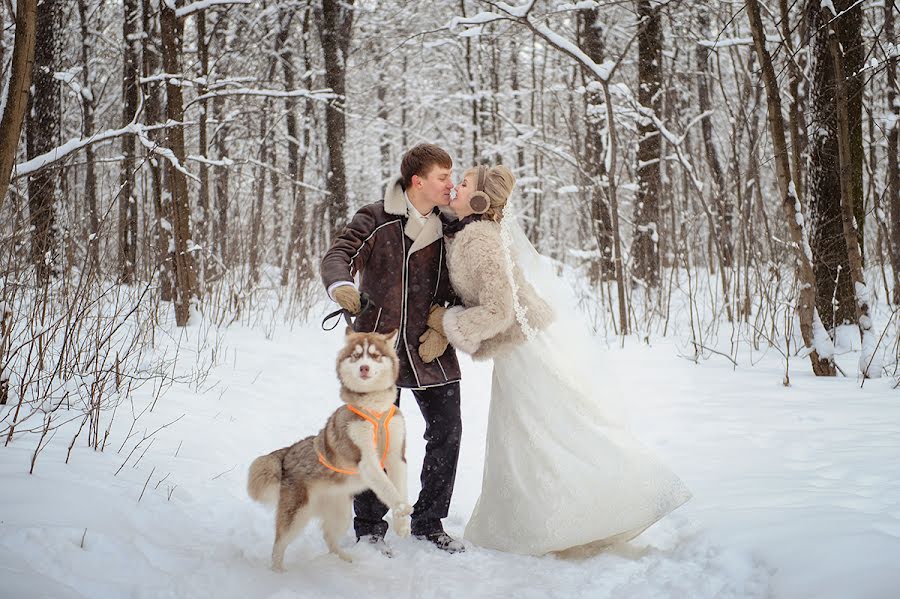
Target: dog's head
[368,362]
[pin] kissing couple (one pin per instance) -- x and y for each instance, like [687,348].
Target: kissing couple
[456,272]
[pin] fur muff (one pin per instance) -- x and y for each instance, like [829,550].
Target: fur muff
[487,326]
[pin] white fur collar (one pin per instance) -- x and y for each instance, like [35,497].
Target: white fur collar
[395,203]
[394,199]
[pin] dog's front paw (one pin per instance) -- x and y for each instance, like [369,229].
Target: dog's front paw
[402,510]
[402,525]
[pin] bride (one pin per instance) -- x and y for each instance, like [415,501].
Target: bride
[561,469]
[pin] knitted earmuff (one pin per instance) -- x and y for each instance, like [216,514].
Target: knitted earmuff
[479,202]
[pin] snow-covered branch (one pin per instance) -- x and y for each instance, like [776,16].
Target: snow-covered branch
[520,14]
[319,95]
[736,41]
[203,5]
[29,167]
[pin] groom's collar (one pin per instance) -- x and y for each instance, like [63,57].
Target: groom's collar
[397,203]
[395,199]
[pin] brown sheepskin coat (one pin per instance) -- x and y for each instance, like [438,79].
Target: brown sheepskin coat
[487,325]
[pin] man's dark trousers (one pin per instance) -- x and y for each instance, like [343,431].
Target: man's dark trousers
[443,430]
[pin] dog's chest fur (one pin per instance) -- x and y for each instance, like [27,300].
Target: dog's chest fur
[340,438]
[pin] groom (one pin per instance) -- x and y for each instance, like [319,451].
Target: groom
[395,247]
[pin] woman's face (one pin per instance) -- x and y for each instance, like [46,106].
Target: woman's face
[460,204]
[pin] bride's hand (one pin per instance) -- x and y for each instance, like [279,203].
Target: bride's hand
[432,345]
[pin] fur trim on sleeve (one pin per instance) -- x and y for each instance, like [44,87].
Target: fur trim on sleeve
[460,339]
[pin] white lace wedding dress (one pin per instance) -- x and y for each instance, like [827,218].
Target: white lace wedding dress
[561,468]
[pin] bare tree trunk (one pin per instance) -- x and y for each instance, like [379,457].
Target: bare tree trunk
[611,149]
[829,247]
[87,129]
[256,214]
[644,247]
[811,329]
[42,133]
[127,201]
[202,229]
[223,199]
[470,80]
[594,163]
[848,217]
[534,230]
[16,100]
[297,154]
[154,115]
[334,20]
[793,97]
[171,30]
[724,217]
[517,100]
[893,168]
[388,168]
[3,45]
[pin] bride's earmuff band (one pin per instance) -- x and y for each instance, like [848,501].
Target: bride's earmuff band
[479,201]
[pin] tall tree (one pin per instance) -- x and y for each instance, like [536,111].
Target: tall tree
[298,149]
[171,32]
[87,130]
[830,252]
[594,160]
[893,141]
[154,115]
[644,248]
[868,366]
[127,200]
[724,210]
[811,329]
[334,20]
[16,100]
[202,228]
[42,135]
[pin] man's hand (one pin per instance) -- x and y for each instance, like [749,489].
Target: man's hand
[348,298]
[436,319]
[432,345]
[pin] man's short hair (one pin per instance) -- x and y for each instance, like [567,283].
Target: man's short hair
[420,159]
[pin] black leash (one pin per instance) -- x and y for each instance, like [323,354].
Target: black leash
[364,304]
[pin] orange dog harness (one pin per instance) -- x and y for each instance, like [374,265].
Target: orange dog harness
[381,442]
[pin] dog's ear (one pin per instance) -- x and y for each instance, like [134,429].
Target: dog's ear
[349,331]
[391,337]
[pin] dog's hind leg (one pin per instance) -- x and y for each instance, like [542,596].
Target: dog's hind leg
[336,517]
[293,514]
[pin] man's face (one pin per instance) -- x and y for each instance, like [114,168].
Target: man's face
[436,185]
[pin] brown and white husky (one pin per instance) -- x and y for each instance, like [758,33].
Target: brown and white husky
[318,476]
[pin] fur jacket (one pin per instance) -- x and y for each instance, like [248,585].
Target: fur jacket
[487,325]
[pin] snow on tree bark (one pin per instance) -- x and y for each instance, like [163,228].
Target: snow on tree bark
[820,350]
[186,293]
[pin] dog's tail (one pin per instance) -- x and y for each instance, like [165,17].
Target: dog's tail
[264,480]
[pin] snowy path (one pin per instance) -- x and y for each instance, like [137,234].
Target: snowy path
[796,492]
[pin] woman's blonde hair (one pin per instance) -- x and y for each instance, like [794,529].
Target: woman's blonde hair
[498,185]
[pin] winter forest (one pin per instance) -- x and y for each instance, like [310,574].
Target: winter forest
[718,181]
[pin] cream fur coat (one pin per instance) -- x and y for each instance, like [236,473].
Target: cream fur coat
[487,325]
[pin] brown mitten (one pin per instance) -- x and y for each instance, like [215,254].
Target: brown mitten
[348,298]
[436,319]
[432,345]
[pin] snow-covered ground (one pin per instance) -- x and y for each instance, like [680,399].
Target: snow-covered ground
[796,490]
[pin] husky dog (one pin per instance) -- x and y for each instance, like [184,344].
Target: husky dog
[319,475]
